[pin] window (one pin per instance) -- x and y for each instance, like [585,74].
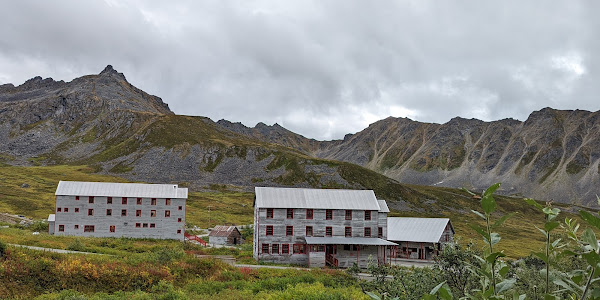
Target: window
[153,201]
[61,227]
[290,213]
[289,230]
[300,249]
[88,228]
[91,199]
[66,209]
[167,201]
[309,214]
[138,225]
[152,225]
[112,228]
[76,227]
[90,212]
[367,231]
[76,209]
[145,225]
[180,207]
[329,214]
[348,232]
[76,197]
[123,212]
[109,212]
[269,230]
[309,230]
[138,213]
[328,231]
[58,209]
[380,232]
[138,201]
[269,213]
[124,200]
[275,248]
[367,215]
[348,214]
[285,249]
[108,200]
[178,231]
[179,220]
[167,213]
[265,248]
[153,213]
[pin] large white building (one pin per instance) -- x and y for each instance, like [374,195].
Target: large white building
[107,209]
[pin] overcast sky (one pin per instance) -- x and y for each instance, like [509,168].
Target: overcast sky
[319,68]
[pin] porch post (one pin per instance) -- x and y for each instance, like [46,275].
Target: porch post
[422,253]
[407,250]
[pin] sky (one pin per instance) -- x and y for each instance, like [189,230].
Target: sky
[320,68]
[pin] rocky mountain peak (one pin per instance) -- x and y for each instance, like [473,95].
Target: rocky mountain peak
[109,71]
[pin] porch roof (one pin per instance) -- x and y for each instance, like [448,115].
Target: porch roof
[311,240]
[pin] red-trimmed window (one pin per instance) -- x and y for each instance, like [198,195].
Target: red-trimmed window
[108,200]
[58,209]
[180,207]
[76,197]
[367,231]
[90,212]
[91,199]
[269,230]
[285,249]
[138,225]
[168,201]
[88,228]
[309,214]
[380,232]
[153,201]
[76,209]
[61,227]
[138,201]
[289,230]
[112,228]
[167,213]
[152,225]
[124,200]
[290,213]
[265,248]
[138,212]
[329,214]
[66,209]
[299,248]
[109,212]
[153,213]
[275,249]
[269,213]
[179,220]
[328,231]
[348,214]
[76,227]
[367,215]
[348,232]
[309,231]
[123,213]
[178,231]
[145,225]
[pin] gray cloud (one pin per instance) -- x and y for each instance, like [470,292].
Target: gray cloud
[319,68]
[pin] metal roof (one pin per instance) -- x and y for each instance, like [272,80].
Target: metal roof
[51,217]
[311,240]
[426,230]
[113,189]
[222,230]
[383,206]
[271,197]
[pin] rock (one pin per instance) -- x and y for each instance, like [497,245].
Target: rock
[24,186]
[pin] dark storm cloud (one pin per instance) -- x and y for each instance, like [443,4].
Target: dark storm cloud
[319,68]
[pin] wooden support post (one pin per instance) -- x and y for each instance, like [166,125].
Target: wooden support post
[422,253]
[407,250]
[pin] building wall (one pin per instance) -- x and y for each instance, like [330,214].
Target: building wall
[382,222]
[51,227]
[125,226]
[299,222]
[217,240]
[347,258]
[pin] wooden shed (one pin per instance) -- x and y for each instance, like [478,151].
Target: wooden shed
[225,235]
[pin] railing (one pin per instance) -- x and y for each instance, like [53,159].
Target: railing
[331,260]
[195,238]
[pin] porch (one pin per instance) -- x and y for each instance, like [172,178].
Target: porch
[345,252]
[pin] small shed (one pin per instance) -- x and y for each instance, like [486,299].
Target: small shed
[51,221]
[225,235]
[419,238]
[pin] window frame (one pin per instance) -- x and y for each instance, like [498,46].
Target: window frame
[109,212]
[123,213]
[265,249]
[61,228]
[269,228]
[89,228]
[153,201]
[139,201]
[167,213]
[367,232]
[124,201]
[348,231]
[328,231]
[299,248]
[76,209]
[112,228]
[289,230]
[310,213]
[138,212]
[168,201]
[309,228]
[348,215]
[270,213]
[109,200]
[275,248]
[368,216]
[153,213]
[285,248]
[91,199]
[290,213]
[329,214]
[90,212]
[380,232]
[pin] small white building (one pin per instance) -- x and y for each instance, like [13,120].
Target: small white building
[108,209]
[418,238]
[225,235]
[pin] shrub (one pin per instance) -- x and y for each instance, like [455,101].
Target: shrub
[2,248]
[77,245]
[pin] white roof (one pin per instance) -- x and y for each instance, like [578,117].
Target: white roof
[383,206]
[51,217]
[113,189]
[426,230]
[347,241]
[271,197]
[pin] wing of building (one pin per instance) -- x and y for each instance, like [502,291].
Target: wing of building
[109,209]
[419,238]
[319,227]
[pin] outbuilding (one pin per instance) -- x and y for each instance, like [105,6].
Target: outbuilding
[419,238]
[225,235]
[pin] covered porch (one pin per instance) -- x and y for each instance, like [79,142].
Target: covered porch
[344,252]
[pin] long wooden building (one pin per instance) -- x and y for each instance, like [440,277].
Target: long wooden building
[318,227]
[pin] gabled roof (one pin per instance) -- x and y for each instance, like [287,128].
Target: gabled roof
[51,217]
[222,230]
[113,189]
[426,230]
[271,197]
[383,208]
